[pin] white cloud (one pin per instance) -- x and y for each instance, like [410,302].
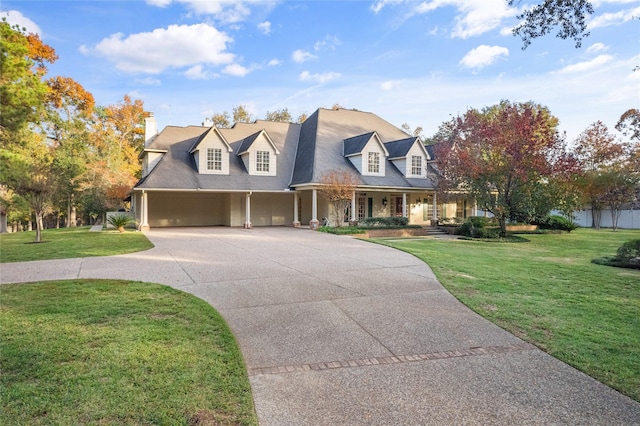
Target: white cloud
[265,27]
[483,55]
[318,78]
[597,47]
[389,85]
[16,18]
[608,19]
[274,62]
[176,46]
[236,70]
[223,10]
[301,56]
[329,42]
[197,72]
[474,17]
[586,65]
[148,81]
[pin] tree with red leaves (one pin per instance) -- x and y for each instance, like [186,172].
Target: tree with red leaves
[507,157]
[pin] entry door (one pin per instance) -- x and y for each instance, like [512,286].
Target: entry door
[370,207]
[399,206]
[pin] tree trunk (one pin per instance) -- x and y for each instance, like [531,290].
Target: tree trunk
[71,212]
[38,226]
[3,222]
[503,226]
[615,216]
[596,215]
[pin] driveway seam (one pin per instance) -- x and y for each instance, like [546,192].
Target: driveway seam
[394,359]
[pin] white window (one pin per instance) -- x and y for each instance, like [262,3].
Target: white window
[262,161]
[416,165]
[374,162]
[214,159]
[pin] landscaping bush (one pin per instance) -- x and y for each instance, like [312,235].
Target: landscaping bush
[478,227]
[385,222]
[627,256]
[559,223]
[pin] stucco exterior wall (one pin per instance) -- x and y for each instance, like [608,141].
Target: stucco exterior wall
[184,209]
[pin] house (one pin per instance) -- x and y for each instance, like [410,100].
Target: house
[268,173]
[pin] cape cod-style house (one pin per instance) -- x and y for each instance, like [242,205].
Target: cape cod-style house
[268,173]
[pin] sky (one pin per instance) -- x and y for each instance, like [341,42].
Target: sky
[407,61]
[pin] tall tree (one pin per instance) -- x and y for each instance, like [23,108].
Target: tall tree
[23,59]
[279,115]
[241,115]
[69,107]
[221,120]
[598,152]
[502,156]
[541,19]
[629,124]
[337,187]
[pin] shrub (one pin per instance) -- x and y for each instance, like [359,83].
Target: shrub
[478,227]
[385,222]
[559,223]
[120,221]
[629,250]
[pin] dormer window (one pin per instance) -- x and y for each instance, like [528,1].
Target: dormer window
[262,161]
[416,165]
[374,162]
[214,159]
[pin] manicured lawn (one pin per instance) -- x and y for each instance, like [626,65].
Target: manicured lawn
[548,292]
[68,243]
[106,352]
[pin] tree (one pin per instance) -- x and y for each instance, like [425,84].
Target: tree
[23,59]
[503,156]
[281,115]
[241,115]
[629,124]
[541,19]
[338,187]
[68,109]
[598,152]
[221,120]
[28,172]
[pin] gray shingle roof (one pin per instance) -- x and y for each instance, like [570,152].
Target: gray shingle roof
[307,151]
[399,149]
[356,144]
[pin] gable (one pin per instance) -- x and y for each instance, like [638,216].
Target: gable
[211,153]
[258,153]
[367,153]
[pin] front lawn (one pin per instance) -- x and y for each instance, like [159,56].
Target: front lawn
[548,292]
[69,243]
[107,352]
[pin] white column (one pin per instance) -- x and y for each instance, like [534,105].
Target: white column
[247,222]
[296,220]
[404,204]
[144,211]
[435,210]
[353,207]
[314,210]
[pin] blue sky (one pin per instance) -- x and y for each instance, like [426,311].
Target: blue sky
[414,62]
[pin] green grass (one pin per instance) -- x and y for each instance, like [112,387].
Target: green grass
[100,352]
[68,243]
[549,293]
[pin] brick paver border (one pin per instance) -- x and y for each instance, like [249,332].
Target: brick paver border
[394,359]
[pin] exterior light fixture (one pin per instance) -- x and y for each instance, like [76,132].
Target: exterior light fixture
[384,201]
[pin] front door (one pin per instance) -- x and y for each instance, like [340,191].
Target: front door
[398,206]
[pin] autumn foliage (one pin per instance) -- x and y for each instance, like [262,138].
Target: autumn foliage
[338,187]
[507,157]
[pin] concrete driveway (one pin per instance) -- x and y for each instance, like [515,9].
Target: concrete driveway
[337,331]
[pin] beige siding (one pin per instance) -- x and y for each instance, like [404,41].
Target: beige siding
[211,141]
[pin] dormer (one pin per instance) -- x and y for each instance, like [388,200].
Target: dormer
[211,153]
[409,156]
[150,158]
[258,153]
[367,153]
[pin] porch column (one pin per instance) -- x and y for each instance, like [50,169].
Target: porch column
[296,220]
[314,210]
[353,207]
[404,204]
[474,209]
[144,212]
[434,216]
[247,221]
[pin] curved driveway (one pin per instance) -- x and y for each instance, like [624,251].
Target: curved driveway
[337,331]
